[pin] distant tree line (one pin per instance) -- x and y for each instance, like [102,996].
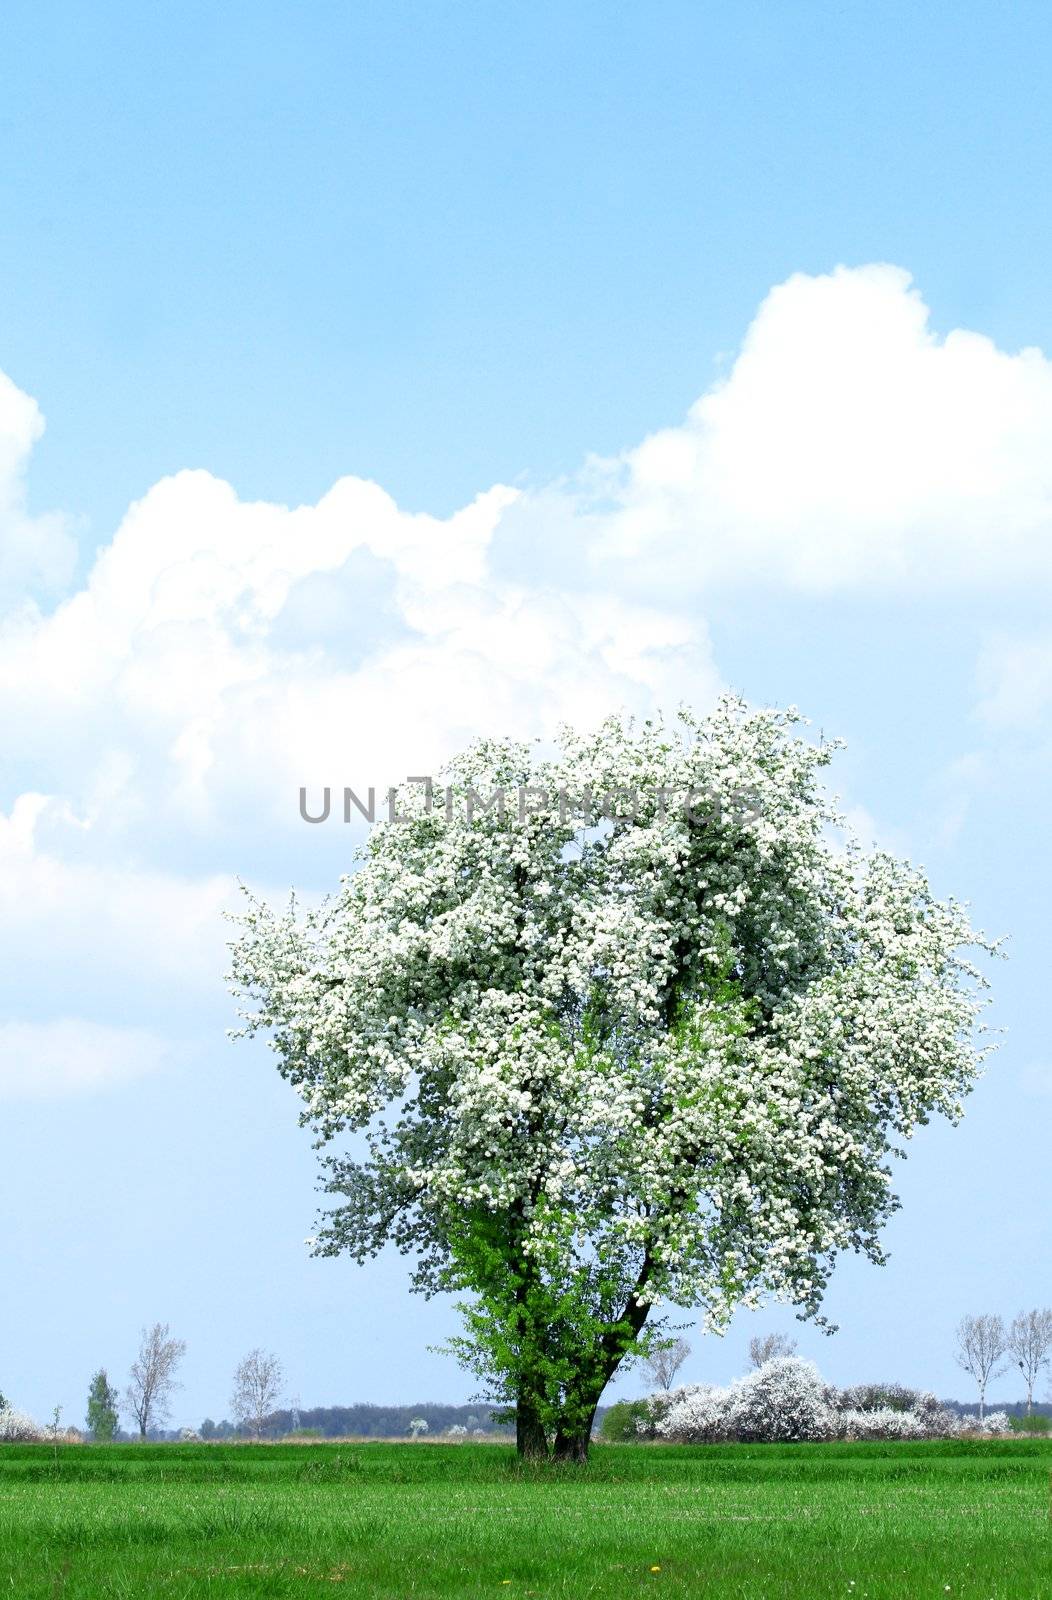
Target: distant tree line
[1014,1408]
[363,1421]
[985,1348]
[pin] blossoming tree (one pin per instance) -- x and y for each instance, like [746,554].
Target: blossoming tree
[597,1065]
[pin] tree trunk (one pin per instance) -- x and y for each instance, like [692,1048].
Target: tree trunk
[573,1438]
[573,1446]
[530,1440]
[573,1432]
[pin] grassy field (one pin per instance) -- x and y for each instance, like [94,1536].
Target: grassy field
[969,1520]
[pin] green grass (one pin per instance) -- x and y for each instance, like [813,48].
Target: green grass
[804,1521]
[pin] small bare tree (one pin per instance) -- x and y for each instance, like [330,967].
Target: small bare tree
[664,1362]
[149,1393]
[1030,1344]
[982,1344]
[769,1346]
[257,1389]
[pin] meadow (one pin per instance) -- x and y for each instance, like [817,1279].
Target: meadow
[963,1518]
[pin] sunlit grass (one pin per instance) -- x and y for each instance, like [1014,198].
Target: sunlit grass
[970,1519]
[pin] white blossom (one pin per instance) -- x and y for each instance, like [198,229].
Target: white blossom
[786,1399]
[887,1423]
[783,1400]
[698,1414]
[660,1058]
[17,1427]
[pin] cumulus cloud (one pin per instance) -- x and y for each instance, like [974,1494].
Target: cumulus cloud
[848,446]
[45,1060]
[160,720]
[35,552]
[220,654]
[223,652]
[203,673]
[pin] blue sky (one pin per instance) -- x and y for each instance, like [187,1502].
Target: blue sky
[611,355]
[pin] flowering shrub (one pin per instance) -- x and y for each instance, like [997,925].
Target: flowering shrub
[967,1424]
[892,1411]
[697,1415]
[786,1399]
[883,1422]
[18,1428]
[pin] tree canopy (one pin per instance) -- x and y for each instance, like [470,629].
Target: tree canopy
[648,1031]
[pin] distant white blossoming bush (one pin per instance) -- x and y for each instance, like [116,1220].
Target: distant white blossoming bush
[954,1425]
[787,1399]
[17,1427]
[883,1423]
[891,1411]
[994,1422]
[697,1415]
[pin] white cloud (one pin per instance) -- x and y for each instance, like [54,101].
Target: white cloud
[221,653]
[848,446]
[34,551]
[44,1060]
[187,683]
